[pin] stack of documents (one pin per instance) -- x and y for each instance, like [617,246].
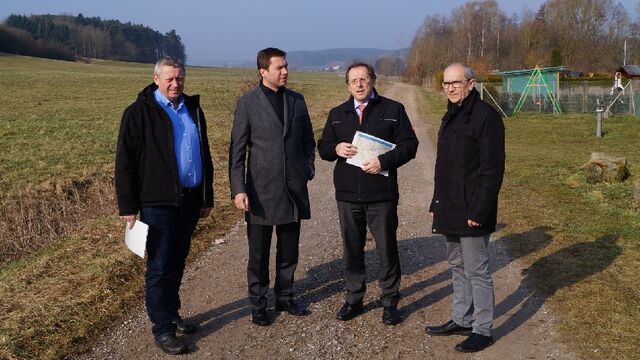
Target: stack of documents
[369,146]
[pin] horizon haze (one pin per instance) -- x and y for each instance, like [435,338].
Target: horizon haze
[222,34]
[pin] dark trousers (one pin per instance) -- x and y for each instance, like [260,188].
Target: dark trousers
[168,242]
[382,218]
[259,236]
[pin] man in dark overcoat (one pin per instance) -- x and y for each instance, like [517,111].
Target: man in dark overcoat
[272,127]
[468,176]
[365,196]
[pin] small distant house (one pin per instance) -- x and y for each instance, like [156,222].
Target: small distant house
[572,73]
[630,72]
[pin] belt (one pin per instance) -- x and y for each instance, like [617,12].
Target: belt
[187,190]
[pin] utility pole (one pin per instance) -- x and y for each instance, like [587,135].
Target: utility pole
[599,111]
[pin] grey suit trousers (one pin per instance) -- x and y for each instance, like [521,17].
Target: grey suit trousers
[473,295]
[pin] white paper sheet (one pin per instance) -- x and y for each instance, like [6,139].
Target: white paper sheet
[136,238]
[368,147]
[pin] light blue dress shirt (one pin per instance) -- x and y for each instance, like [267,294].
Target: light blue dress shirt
[186,142]
[356,102]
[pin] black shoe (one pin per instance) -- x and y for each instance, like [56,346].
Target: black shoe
[474,343]
[259,317]
[170,344]
[185,328]
[292,308]
[349,311]
[450,328]
[391,315]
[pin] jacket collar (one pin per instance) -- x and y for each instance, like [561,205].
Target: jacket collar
[349,105]
[463,110]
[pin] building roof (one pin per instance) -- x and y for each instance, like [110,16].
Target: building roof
[553,69]
[631,70]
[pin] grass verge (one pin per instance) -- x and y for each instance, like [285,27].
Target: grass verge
[578,241]
[61,287]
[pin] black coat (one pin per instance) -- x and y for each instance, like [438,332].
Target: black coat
[469,168]
[146,171]
[383,118]
[281,157]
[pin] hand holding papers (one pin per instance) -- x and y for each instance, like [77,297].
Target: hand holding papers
[369,146]
[136,238]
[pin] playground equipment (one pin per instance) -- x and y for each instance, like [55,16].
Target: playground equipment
[537,81]
[538,86]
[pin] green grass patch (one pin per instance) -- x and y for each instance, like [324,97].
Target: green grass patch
[59,124]
[579,241]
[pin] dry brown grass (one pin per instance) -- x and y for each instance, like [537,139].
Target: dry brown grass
[31,218]
[577,241]
[65,274]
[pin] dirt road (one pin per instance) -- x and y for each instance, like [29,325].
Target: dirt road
[214,293]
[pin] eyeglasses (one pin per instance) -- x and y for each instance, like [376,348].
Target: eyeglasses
[358,81]
[455,84]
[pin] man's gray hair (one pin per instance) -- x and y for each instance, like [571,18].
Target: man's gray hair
[468,71]
[169,61]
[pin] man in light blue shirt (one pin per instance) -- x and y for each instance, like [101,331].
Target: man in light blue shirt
[164,172]
[185,140]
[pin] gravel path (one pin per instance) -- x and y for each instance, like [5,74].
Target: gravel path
[214,291]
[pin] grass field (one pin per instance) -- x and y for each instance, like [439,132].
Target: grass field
[58,128]
[579,241]
[64,272]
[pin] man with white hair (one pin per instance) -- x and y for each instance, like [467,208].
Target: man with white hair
[468,176]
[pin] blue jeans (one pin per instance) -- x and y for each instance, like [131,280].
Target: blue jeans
[168,242]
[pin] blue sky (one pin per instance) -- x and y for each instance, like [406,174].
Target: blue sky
[215,32]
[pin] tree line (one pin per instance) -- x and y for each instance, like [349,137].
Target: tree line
[582,35]
[68,37]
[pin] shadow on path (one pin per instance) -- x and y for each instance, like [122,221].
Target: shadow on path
[416,254]
[532,241]
[543,278]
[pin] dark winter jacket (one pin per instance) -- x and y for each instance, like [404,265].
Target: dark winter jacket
[146,167]
[383,118]
[469,168]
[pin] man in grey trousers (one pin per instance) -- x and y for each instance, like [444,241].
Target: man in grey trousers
[271,127]
[468,176]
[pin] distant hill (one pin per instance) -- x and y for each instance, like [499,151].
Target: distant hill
[68,37]
[330,59]
[325,60]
